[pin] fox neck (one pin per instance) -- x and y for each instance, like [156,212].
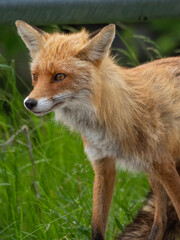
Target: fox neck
[117,107]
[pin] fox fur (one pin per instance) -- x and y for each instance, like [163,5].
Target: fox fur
[131,115]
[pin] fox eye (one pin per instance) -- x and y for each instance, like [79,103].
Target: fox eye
[59,77]
[35,77]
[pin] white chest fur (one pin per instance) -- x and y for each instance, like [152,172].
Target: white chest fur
[83,120]
[99,145]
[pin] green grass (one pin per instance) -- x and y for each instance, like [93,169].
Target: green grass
[63,174]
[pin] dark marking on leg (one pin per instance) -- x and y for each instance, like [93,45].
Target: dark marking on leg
[96,234]
[154,231]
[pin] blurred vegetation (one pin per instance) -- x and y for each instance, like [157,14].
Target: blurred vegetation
[63,175]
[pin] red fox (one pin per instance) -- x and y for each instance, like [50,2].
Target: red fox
[127,115]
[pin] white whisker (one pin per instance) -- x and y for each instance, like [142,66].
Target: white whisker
[62,96]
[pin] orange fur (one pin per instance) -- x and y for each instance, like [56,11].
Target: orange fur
[127,114]
[102,195]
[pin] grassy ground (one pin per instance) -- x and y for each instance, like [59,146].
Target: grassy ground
[61,206]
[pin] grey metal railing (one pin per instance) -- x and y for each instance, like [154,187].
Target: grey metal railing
[86,11]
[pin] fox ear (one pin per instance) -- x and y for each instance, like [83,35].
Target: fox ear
[32,36]
[98,46]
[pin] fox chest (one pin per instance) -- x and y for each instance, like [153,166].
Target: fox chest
[97,144]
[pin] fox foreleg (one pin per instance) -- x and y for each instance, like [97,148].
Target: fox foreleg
[102,195]
[160,215]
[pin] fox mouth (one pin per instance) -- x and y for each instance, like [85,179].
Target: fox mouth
[45,105]
[42,113]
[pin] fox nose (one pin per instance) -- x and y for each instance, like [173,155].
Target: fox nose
[30,103]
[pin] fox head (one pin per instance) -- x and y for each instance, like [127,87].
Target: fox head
[64,67]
